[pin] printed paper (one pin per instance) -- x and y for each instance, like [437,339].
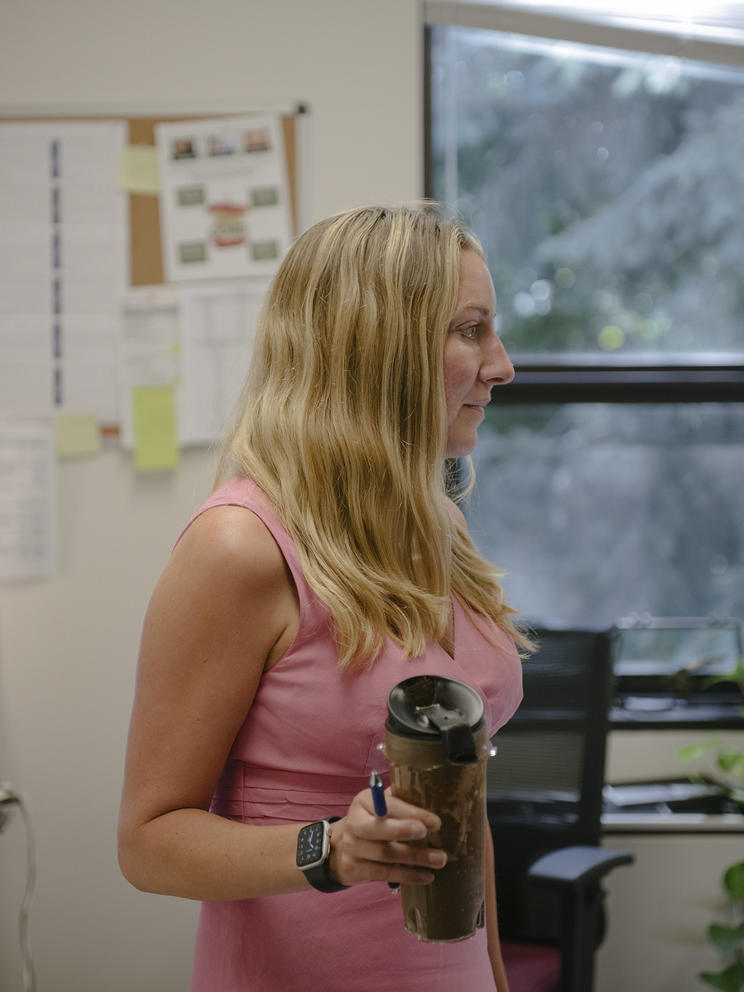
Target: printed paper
[224,205]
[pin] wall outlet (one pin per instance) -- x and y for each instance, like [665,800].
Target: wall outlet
[8,799]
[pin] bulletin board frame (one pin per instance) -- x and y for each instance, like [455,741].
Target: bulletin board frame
[146,257]
[145,237]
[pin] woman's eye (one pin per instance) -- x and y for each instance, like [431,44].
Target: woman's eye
[470,332]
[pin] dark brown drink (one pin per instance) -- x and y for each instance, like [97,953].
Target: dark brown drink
[424,773]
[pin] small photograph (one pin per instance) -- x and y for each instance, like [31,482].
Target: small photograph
[265,196]
[262,251]
[220,144]
[183,148]
[191,196]
[228,223]
[257,140]
[192,251]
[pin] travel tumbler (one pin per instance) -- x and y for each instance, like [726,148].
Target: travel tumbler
[437,748]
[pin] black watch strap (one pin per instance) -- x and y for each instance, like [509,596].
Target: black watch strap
[319,875]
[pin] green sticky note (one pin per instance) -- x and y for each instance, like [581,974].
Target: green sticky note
[77,434]
[139,171]
[155,429]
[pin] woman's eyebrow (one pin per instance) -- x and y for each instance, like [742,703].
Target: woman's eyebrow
[484,311]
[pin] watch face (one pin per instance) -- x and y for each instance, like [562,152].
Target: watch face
[310,844]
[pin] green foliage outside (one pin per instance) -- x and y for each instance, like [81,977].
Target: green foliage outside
[601,184]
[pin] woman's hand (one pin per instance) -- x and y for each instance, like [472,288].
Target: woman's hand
[370,848]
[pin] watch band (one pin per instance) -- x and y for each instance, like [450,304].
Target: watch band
[318,874]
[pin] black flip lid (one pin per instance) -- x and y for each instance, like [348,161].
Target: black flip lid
[431,706]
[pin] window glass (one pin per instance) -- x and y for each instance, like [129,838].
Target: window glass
[599,511]
[603,185]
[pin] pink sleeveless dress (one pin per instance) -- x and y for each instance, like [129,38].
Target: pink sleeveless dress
[308,745]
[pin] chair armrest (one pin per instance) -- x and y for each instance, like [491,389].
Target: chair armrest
[576,867]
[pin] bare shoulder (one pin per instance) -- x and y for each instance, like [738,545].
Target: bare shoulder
[227,580]
[456,514]
[230,544]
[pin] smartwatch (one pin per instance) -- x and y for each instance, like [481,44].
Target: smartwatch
[313,852]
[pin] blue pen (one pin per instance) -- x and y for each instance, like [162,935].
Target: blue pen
[378,801]
[378,794]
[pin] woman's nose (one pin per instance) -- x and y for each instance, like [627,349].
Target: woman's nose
[497,368]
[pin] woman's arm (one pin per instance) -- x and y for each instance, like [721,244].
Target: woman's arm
[224,608]
[492,922]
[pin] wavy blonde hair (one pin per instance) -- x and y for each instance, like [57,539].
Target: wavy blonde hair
[342,423]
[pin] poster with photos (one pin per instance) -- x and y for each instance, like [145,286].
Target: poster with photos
[224,199]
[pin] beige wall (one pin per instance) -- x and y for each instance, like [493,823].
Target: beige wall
[68,645]
[659,909]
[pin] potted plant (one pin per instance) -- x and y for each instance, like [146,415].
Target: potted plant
[728,936]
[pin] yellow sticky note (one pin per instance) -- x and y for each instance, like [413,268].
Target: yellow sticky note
[155,431]
[139,171]
[77,434]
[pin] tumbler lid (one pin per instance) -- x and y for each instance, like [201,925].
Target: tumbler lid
[431,706]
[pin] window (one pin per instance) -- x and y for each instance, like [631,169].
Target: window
[604,183]
[601,510]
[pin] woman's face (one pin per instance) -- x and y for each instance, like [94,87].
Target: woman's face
[474,357]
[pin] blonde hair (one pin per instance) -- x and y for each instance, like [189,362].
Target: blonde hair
[342,423]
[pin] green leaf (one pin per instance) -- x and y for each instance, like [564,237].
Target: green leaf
[735,675]
[731,979]
[691,753]
[726,938]
[732,761]
[694,751]
[733,881]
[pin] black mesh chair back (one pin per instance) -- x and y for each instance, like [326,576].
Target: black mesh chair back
[545,781]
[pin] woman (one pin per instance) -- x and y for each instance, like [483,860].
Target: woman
[327,566]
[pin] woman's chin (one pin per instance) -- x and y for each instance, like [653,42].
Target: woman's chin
[460,447]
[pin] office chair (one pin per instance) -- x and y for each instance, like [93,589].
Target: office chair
[544,804]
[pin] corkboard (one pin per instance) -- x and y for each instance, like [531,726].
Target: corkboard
[146,264]
[146,260]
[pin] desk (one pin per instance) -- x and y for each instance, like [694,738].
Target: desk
[671,806]
[659,907]
[670,823]
[663,713]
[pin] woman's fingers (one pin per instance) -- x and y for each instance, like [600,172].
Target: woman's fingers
[400,809]
[350,867]
[393,848]
[400,854]
[395,874]
[404,821]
